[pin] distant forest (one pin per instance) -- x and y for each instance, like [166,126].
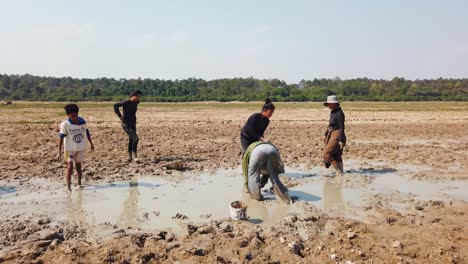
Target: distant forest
[36,88]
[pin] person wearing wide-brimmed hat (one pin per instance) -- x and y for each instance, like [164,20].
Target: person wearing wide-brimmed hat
[335,137]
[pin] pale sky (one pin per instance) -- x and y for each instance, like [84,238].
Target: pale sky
[210,39]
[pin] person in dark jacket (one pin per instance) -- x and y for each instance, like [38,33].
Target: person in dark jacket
[128,119]
[335,137]
[256,125]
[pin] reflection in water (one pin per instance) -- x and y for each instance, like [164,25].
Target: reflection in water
[268,212]
[75,210]
[123,203]
[129,215]
[332,195]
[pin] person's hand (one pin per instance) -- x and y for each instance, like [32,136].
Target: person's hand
[59,156]
[92,147]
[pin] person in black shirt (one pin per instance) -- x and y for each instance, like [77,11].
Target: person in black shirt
[256,125]
[128,119]
[335,137]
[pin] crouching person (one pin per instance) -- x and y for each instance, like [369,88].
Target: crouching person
[261,162]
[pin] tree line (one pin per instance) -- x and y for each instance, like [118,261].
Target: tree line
[37,88]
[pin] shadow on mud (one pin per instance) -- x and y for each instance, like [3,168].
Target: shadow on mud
[180,164]
[158,160]
[372,171]
[256,221]
[7,189]
[303,196]
[121,185]
[297,175]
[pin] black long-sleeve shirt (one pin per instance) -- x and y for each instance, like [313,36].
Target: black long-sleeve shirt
[129,111]
[255,126]
[337,122]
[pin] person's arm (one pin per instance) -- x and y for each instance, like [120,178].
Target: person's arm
[88,135]
[340,118]
[251,127]
[117,110]
[60,148]
[62,135]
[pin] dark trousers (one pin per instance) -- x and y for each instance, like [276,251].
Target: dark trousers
[245,142]
[132,137]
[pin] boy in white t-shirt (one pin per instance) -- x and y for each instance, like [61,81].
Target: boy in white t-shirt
[75,134]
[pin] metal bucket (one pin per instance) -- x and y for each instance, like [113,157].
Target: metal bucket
[238,210]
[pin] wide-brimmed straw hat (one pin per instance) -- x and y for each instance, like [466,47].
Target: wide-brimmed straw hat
[331,100]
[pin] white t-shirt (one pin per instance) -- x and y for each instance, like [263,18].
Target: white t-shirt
[75,135]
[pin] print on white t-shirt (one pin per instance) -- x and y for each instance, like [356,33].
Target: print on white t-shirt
[74,135]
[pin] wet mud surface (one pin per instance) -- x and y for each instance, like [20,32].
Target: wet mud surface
[403,198]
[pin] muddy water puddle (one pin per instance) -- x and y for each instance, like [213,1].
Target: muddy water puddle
[7,189]
[154,202]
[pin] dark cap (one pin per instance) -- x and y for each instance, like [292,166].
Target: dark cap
[136,93]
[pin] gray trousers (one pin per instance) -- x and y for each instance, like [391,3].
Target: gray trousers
[265,163]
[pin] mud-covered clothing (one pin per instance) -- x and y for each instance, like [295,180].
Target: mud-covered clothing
[337,122]
[333,136]
[265,163]
[332,150]
[129,112]
[75,135]
[254,129]
[246,160]
[133,138]
[129,123]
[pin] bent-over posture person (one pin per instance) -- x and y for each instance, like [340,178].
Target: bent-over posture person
[262,161]
[335,137]
[128,120]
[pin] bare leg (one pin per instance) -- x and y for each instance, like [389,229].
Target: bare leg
[69,173]
[79,172]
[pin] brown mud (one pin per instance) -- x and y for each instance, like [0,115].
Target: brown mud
[402,200]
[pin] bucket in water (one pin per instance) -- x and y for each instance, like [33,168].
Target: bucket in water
[238,210]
